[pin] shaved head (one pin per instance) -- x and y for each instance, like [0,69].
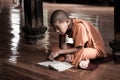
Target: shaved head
[58,16]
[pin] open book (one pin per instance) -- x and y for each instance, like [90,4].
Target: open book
[56,65]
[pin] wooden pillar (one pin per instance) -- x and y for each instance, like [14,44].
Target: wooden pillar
[115,44]
[117,19]
[33,13]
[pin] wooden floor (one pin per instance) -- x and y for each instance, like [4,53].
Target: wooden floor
[18,60]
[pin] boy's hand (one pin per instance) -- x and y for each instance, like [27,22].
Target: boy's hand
[54,54]
[69,58]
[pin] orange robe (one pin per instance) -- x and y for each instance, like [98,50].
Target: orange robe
[86,35]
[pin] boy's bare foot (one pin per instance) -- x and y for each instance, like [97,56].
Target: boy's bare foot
[84,63]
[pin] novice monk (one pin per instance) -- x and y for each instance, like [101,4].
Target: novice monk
[88,43]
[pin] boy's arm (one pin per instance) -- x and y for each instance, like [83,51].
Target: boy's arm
[63,51]
[61,41]
[64,48]
[70,50]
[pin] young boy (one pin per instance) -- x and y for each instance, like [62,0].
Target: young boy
[88,43]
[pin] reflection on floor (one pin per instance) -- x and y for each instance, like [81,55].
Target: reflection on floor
[18,59]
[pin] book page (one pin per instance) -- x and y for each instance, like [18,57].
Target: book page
[56,65]
[60,66]
[47,63]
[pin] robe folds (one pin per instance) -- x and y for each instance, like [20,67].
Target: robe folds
[86,35]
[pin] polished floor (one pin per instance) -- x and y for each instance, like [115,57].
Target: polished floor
[18,59]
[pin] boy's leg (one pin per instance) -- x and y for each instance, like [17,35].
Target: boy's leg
[84,54]
[90,53]
[68,57]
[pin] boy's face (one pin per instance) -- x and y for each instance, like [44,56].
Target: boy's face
[61,28]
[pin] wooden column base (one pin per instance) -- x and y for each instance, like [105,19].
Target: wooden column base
[115,45]
[34,34]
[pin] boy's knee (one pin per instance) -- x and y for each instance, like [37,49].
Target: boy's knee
[90,53]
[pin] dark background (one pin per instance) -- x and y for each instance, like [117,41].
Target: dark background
[93,2]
